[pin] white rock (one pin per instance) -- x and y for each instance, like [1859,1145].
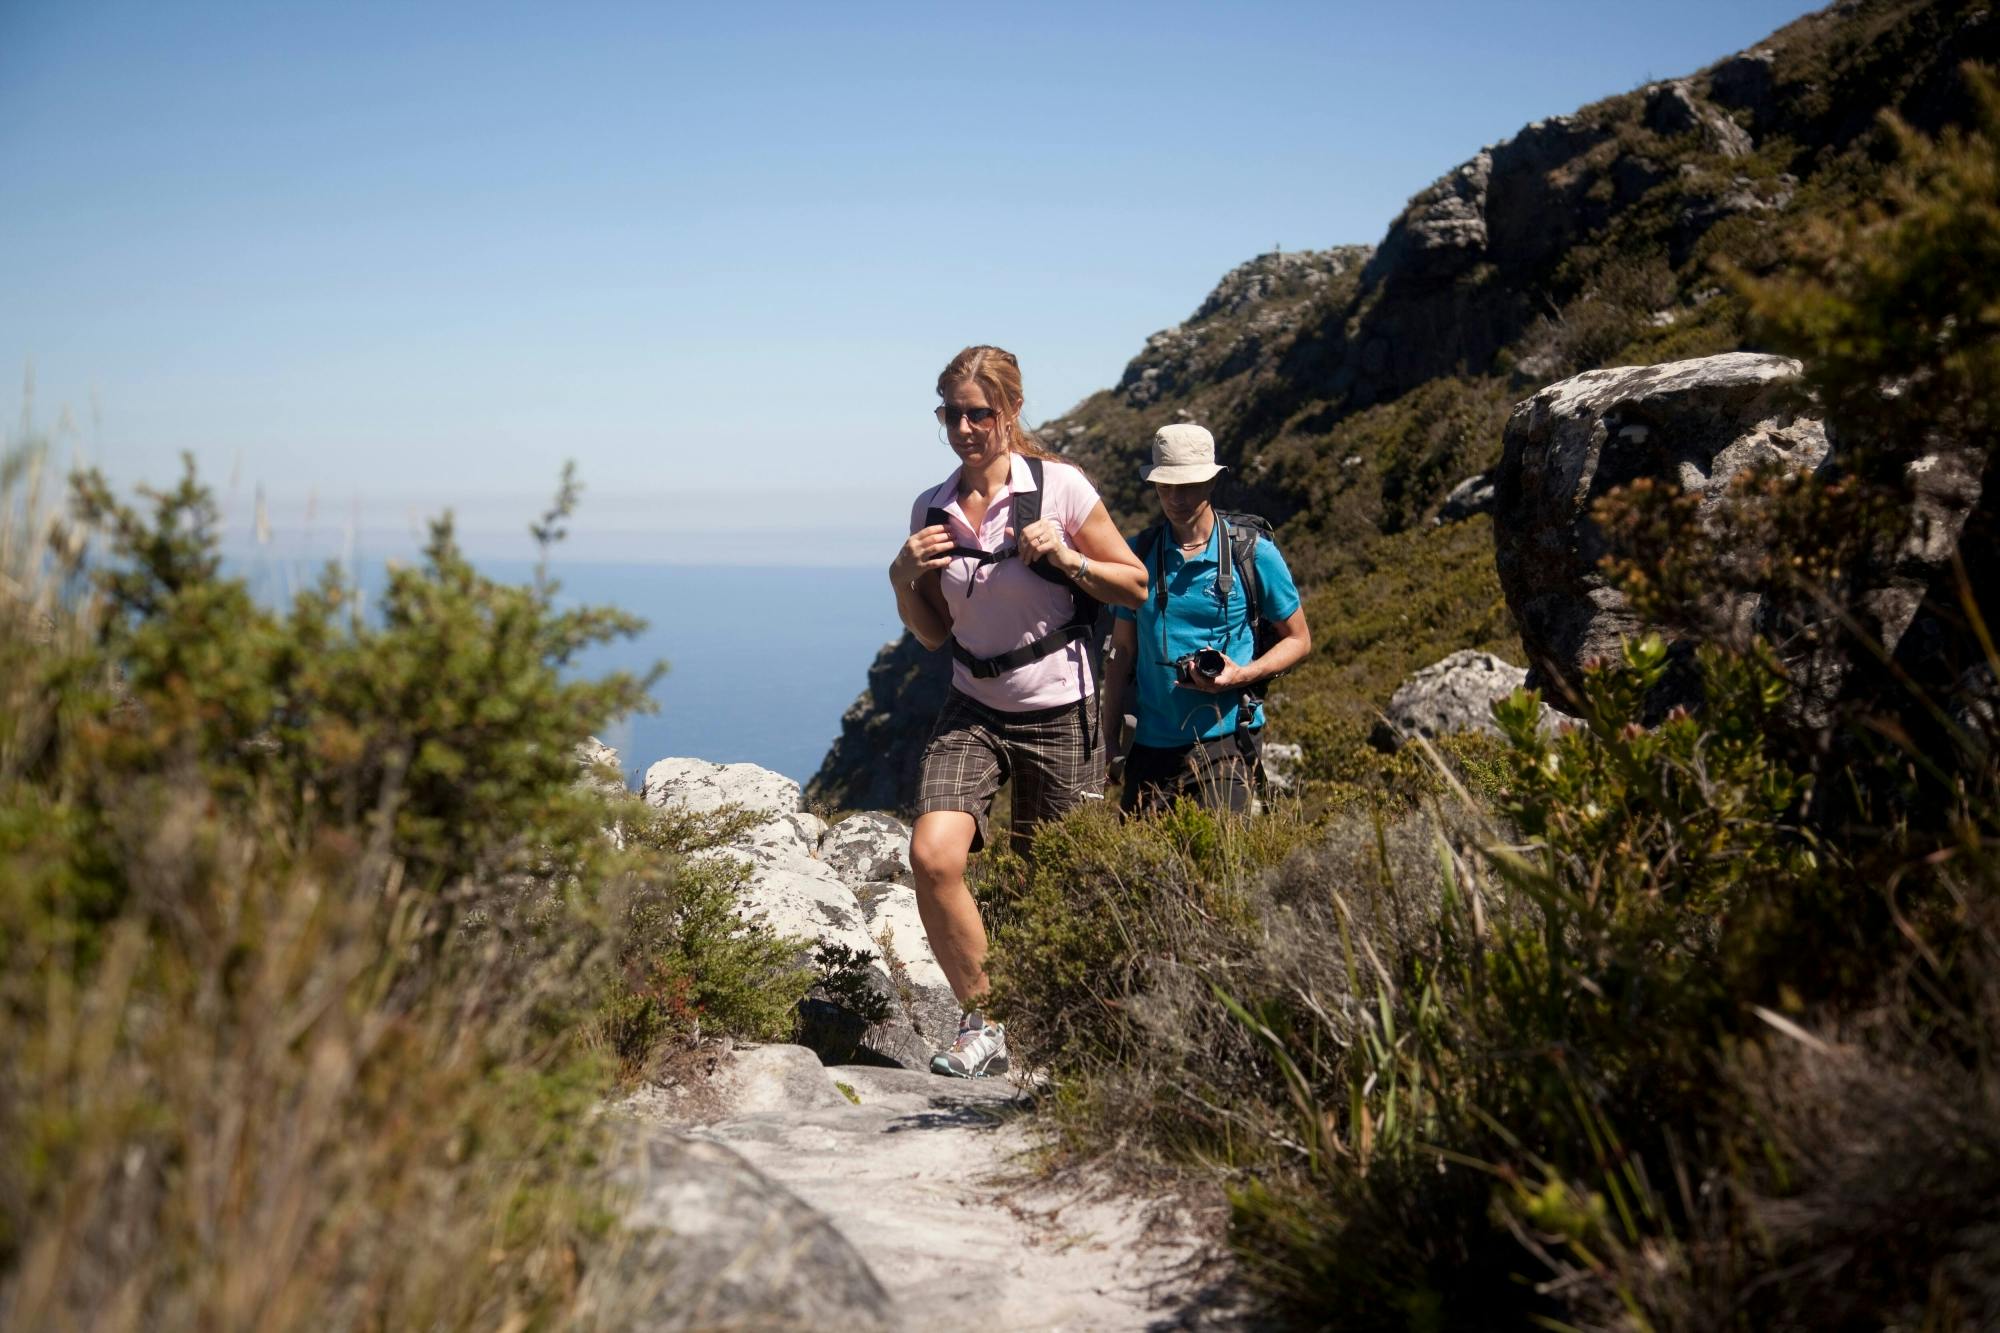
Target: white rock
[869,848]
[789,889]
[891,910]
[1455,694]
[924,997]
[796,895]
[700,785]
[1281,766]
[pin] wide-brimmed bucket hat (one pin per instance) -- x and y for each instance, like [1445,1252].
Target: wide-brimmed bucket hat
[1182,453]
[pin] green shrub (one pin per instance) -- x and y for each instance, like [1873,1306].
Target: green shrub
[312,943]
[1681,1027]
[1712,1045]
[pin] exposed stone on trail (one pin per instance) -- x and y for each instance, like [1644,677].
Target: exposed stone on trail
[707,1241]
[1695,424]
[907,1167]
[1452,695]
[743,1079]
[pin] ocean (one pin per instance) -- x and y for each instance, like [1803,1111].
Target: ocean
[761,661]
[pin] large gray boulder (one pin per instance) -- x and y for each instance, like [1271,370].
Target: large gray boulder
[1455,694]
[706,1241]
[1696,424]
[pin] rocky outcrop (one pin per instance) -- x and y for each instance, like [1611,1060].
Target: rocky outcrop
[869,848]
[1257,305]
[1456,694]
[846,886]
[1694,424]
[1672,108]
[1745,82]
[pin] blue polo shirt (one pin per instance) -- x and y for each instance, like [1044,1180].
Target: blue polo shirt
[1170,715]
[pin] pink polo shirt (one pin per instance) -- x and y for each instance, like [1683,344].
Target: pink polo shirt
[999,607]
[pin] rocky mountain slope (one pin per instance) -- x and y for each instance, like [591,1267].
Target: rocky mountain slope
[1352,389]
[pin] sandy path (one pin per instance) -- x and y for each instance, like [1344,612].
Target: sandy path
[916,1176]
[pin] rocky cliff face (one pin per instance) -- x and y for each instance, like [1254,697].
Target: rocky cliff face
[1352,389]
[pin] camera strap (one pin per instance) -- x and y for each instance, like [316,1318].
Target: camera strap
[1224,583]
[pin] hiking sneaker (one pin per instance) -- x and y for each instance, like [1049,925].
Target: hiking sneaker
[981,1049]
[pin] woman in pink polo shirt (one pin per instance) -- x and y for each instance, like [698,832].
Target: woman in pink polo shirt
[1021,686]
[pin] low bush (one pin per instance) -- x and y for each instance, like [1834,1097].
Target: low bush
[315,953]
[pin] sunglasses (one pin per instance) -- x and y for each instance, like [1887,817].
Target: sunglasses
[978,416]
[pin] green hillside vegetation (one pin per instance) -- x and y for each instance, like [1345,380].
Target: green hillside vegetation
[1684,1028]
[314,955]
[1350,391]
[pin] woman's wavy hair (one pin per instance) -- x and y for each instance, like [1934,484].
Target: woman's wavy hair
[998,373]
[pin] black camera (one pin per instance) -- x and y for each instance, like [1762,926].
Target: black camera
[1203,664]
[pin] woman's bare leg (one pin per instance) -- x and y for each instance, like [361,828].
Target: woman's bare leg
[939,846]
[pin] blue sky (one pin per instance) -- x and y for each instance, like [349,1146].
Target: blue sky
[375,259]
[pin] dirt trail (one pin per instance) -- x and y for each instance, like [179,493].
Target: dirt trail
[922,1175]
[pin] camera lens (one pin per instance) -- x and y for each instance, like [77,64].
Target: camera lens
[1208,662]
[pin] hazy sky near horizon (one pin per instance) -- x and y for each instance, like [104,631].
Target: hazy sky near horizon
[376,259]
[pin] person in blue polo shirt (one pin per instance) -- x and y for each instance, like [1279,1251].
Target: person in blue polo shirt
[1191,646]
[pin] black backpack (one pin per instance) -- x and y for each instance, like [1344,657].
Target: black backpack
[1243,532]
[1083,613]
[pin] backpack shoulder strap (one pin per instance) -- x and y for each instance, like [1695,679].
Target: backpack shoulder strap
[1028,504]
[1243,538]
[1028,509]
[1227,540]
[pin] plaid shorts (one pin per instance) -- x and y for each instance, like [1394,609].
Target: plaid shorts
[1054,756]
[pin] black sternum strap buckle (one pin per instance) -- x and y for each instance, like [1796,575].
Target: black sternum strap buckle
[986,668]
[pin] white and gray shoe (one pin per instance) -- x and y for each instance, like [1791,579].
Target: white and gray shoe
[980,1050]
